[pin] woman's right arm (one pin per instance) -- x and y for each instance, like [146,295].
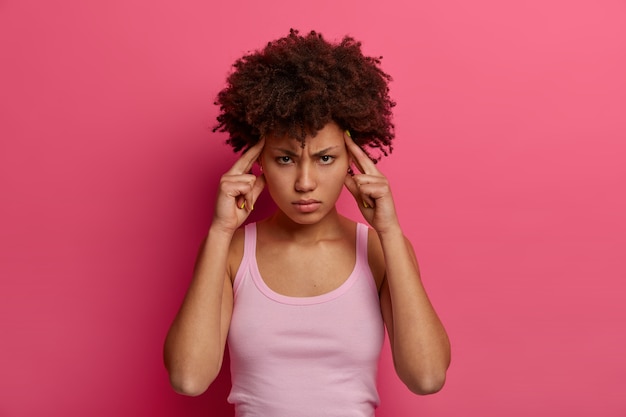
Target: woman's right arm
[194,346]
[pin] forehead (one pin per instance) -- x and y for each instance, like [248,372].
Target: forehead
[329,136]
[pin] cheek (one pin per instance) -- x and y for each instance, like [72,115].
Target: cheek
[337,176]
[272,181]
[277,181]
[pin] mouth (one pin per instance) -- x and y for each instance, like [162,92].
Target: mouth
[307,206]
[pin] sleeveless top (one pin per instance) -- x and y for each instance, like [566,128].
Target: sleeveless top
[305,356]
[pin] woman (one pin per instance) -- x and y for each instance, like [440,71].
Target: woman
[302,296]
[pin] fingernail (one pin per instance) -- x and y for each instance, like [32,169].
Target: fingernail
[348,133]
[242,205]
[365,204]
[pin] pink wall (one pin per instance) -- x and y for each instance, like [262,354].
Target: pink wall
[509,174]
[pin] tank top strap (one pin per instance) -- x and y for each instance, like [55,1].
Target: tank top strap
[362,260]
[362,232]
[249,254]
[250,240]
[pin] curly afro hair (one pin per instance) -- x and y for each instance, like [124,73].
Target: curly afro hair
[297,84]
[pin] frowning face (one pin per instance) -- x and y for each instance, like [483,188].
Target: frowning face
[305,182]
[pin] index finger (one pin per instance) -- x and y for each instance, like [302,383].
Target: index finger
[245,162]
[362,161]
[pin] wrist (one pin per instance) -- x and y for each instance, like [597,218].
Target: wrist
[219,232]
[390,232]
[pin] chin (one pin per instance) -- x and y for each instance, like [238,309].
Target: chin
[305,218]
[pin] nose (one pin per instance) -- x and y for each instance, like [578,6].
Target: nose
[305,180]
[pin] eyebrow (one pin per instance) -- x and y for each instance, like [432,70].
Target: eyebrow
[325,150]
[289,152]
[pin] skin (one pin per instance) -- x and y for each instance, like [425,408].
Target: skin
[305,183]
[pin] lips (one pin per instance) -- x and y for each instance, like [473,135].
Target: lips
[307,206]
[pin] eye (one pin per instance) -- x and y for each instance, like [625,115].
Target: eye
[284,160]
[326,159]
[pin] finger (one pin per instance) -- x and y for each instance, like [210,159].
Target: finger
[362,199]
[237,187]
[352,186]
[359,157]
[254,194]
[259,184]
[367,195]
[241,202]
[245,162]
[246,193]
[351,151]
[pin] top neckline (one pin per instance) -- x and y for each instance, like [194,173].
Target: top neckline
[360,245]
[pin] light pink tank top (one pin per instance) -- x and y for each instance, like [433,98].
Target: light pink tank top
[305,356]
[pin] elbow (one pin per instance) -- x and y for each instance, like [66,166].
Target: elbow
[189,384]
[188,376]
[427,384]
[186,379]
[188,388]
[423,380]
[424,375]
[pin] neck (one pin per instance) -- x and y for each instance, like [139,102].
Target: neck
[285,228]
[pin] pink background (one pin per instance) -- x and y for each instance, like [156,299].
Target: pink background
[508,173]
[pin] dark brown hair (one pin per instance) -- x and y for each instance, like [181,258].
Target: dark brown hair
[297,84]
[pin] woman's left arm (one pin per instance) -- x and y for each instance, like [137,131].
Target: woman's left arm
[419,342]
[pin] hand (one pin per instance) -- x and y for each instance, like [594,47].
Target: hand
[239,190]
[371,190]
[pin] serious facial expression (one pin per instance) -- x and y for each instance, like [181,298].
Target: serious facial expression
[305,182]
